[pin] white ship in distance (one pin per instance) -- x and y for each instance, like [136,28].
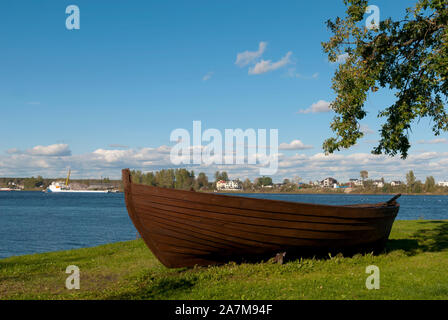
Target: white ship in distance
[61,187]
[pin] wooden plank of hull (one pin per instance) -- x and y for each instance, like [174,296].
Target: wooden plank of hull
[254,239]
[170,218]
[255,217]
[184,228]
[186,239]
[219,218]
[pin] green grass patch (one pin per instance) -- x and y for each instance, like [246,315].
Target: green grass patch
[414,266]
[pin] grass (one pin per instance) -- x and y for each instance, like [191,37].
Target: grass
[414,266]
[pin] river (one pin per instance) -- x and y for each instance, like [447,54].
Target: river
[34,222]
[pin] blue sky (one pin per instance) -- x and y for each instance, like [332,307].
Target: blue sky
[137,70]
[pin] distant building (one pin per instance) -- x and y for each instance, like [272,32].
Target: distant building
[396,183]
[279,185]
[378,183]
[329,183]
[228,185]
[13,186]
[443,184]
[356,182]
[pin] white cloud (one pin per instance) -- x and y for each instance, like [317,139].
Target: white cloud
[54,150]
[13,151]
[365,129]
[434,141]
[164,149]
[208,76]
[267,65]
[424,156]
[293,74]
[342,58]
[294,145]
[247,57]
[322,157]
[108,163]
[318,107]
[113,155]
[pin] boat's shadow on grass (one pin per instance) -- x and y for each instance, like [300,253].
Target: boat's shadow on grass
[151,286]
[424,240]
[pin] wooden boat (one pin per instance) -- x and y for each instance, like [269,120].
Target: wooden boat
[187,228]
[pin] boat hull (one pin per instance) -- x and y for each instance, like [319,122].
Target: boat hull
[187,228]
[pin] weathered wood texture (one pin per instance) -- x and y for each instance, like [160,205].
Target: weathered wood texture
[186,228]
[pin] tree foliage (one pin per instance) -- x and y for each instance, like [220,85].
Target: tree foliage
[263,181]
[411,180]
[430,184]
[184,179]
[221,176]
[33,183]
[202,181]
[364,174]
[169,178]
[247,185]
[408,56]
[165,178]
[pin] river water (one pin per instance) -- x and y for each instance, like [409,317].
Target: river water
[33,222]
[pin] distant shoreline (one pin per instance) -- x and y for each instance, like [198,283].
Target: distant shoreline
[294,192]
[332,193]
[42,191]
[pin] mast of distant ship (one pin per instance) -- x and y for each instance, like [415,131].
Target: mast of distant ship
[68,177]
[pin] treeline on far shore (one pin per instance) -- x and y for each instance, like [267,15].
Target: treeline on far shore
[187,180]
[412,185]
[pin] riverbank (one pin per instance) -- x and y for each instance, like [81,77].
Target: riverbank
[301,191]
[43,190]
[413,267]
